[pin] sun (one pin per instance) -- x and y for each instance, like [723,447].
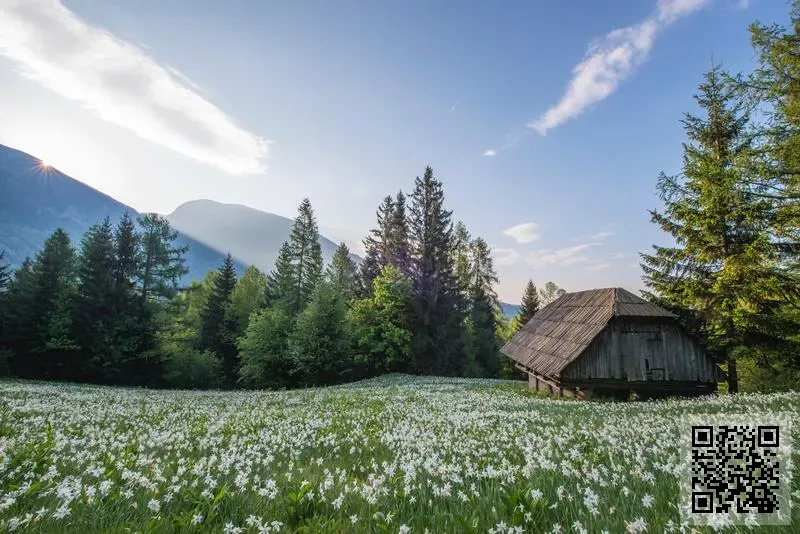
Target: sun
[43,165]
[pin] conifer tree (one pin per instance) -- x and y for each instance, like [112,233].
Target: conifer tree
[248,297]
[298,268]
[162,262]
[95,304]
[483,304]
[398,247]
[378,244]
[5,272]
[438,344]
[530,304]
[721,268]
[342,273]
[39,319]
[217,329]
[463,261]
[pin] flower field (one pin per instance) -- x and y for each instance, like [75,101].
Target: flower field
[395,454]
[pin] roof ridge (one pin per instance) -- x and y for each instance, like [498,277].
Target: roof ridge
[614,308]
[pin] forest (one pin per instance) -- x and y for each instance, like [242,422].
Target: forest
[111,310]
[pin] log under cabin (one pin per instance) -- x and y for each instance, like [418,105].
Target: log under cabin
[610,342]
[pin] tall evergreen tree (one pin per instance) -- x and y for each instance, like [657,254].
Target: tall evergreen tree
[248,297]
[378,244]
[162,262]
[342,273]
[437,343]
[39,319]
[485,343]
[298,268]
[722,267]
[398,245]
[463,261]
[530,304]
[5,272]
[94,307]
[217,329]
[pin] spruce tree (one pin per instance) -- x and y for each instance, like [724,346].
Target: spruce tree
[437,344]
[217,329]
[39,318]
[530,304]
[463,261]
[483,305]
[5,272]
[342,273]
[298,268]
[398,246]
[162,262]
[95,305]
[378,244]
[248,297]
[721,268]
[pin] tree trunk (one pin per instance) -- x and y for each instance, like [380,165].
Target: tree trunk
[733,375]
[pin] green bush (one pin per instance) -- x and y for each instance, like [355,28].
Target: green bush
[188,368]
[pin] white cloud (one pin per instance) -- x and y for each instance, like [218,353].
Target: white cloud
[562,256]
[599,236]
[490,152]
[616,256]
[454,106]
[524,233]
[122,84]
[598,267]
[609,61]
[505,256]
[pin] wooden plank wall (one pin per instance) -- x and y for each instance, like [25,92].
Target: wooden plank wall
[656,350]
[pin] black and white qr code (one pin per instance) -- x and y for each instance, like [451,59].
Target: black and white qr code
[735,468]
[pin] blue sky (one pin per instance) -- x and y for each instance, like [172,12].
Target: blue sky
[548,122]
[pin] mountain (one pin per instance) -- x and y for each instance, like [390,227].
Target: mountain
[509,310]
[250,235]
[36,199]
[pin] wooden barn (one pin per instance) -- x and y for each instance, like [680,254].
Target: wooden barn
[610,342]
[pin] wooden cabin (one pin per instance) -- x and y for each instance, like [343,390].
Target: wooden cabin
[610,342]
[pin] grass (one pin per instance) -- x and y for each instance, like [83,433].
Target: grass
[394,454]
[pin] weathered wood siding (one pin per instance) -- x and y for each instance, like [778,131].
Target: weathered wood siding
[643,349]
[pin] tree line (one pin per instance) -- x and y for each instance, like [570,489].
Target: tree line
[112,311]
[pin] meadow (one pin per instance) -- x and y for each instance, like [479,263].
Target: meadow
[393,454]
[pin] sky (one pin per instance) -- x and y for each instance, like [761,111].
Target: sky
[547,122]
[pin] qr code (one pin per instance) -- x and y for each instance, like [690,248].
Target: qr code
[738,471]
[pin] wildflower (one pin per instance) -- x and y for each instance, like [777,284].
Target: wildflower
[636,527]
[197,519]
[353,519]
[404,529]
[647,501]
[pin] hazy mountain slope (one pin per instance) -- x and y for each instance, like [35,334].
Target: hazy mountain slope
[35,200]
[252,236]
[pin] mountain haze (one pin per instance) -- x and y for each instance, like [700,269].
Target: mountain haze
[250,235]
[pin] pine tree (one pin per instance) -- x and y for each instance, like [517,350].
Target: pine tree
[483,304]
[378,244]
[721,268]
[298,268]
[217,330]
[95,304]
[5,272]
[398,245]
[162,262]
[463,261]
[437,343]
[342,273]
[39,320]
[530,304]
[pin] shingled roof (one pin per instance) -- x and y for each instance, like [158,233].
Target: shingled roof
[562,330]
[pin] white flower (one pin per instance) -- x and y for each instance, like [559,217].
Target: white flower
[404,529]
[154,505]
[197,519]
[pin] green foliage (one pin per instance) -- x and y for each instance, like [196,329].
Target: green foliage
[320,343]
[187,368]
[438,342]
[382,325]
[342,273]
[217,327]
[530,304]
[264,349]
[248,297]
[162,263]
[549,293]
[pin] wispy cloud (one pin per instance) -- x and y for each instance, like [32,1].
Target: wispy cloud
[599,236]
[562,256]
[524,233]
[122,84]
[609,60]
[598,267]
[454,106]
[489,153]
[505,256]
[617,256]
